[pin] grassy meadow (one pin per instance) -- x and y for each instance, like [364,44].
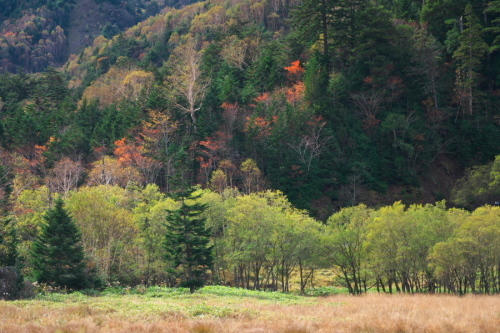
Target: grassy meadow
[222,309]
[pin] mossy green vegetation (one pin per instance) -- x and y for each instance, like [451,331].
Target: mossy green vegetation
[209,301]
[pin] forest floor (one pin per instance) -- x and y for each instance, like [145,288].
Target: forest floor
[222,309]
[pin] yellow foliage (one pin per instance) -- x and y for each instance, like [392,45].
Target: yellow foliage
[109,171]
[117,84]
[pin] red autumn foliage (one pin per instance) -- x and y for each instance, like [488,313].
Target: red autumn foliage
[261,125]
[295,71]
[128,154]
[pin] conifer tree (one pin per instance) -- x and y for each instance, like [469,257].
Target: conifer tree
[57,254]
[8,243]
[312,19]
[186,242]
[5,190]
[494,8]
[469,55]
[8,234]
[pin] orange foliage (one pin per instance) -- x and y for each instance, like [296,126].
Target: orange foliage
[38,159]
[263,98]
[133,155]
[204,164]
[295,68]
[317,122]
[216,146]
[41,149]
[128,154]
[368,80]
[296,92]
[261,125]
[210,144]
[295,71]
[214,149]
[229,106]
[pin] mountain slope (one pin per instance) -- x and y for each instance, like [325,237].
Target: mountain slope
[248,94]
[37,34]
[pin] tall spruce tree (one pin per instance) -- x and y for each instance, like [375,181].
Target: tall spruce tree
[494,10]
[312,20]
[186,242]
[8,243]
[8,233]
[57,254]
[469,54]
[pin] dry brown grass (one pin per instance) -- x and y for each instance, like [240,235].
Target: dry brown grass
[369,313]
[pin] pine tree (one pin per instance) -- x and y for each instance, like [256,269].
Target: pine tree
[186,242]
[57,254]
[8,235]
[8,243]
[312,20]
[469,55]
[494,8]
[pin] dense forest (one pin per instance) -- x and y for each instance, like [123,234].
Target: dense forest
[301,121]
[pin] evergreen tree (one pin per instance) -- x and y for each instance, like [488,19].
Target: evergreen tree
[186,242]
[5,190]
[8,243]
[494,9]
[469,55]
[8,235]
[57,254]
[312,20]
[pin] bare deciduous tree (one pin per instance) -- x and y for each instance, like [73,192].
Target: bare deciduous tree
[312,143]
[64,176]
[187,83]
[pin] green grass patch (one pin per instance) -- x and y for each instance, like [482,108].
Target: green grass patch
[240,292]
[326,291]
[164,292]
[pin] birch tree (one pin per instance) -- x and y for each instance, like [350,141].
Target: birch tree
[187,83]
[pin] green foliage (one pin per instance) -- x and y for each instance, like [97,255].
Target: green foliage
[57,255]
[399,241]
[470,254]
[345,242]
[8,243]
[439,12]
[260,241]
[324,291]
[187,242]
[110,30]
[267,72]
[494,8]
[481,185]
[103,215]
[469,54]
[377,72]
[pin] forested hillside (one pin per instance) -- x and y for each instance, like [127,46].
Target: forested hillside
[333,103]
[394,104]
[37,34]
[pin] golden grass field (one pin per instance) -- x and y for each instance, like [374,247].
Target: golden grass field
[251,312]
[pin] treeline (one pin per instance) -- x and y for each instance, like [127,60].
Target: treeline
[260,241]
